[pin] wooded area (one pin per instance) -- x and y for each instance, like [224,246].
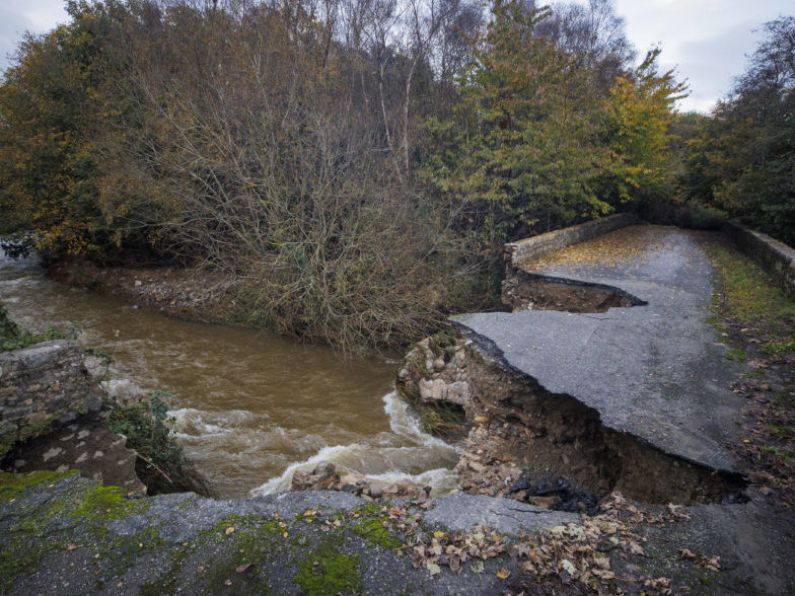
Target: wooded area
[358,164]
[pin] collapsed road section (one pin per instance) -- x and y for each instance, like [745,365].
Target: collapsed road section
[605,376]
[655,372]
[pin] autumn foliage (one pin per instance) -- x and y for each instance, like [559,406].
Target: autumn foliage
[357,164]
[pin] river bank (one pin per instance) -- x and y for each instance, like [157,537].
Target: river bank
[248,406]
[190,293]
[57,414]
[551,495]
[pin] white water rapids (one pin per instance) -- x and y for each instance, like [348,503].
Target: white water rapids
[249,407]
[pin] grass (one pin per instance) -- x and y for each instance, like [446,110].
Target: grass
[749,296]
[758,320]
[736,354]
[14,337]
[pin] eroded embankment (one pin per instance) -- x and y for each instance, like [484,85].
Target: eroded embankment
[548,449]
[522,290]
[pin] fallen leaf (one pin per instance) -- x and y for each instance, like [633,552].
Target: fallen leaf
[604,574]
[228,582]
[636,549]
[502,573]
[72,546]
[602,562]
[687,554]
[476,566]
[713,563]
[243,568]
[229,531]
[433,568]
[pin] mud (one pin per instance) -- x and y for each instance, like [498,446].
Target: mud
[523,291]
[522,436]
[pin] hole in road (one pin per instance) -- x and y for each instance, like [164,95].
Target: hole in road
[529,291]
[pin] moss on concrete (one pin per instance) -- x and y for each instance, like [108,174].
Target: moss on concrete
[375,531]
[83,506]
[26,542]
[371,523]
[327,571]
[12,485]
[106,503]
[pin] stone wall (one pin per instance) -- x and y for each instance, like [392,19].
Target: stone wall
[774,256]
[39,386]
[515,253]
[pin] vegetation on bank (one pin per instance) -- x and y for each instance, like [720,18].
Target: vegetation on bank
[356,165]
[14,337]
[750,298]
[757,320]
[161,463]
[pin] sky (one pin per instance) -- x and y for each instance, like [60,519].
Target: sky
[707,41]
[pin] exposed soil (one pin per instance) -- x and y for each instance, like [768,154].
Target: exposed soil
[523,291]
[548,436]
[522,437]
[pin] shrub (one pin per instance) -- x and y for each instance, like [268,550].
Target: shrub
[161,464]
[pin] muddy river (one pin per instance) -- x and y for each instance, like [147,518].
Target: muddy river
[249,407]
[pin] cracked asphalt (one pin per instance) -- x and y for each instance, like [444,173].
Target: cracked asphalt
[656,371]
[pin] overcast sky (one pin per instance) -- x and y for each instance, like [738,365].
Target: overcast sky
[706,40]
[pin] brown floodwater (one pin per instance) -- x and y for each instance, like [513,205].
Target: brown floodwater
[247,406]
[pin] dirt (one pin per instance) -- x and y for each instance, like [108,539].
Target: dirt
[189,293]
[548,436]
[522,291]
[519,432]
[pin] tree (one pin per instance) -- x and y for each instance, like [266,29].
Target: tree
[639,116]
[536,141]
[743,162]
